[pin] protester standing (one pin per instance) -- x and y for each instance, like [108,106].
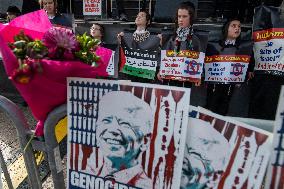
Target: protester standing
[183,38]
[219,93]
[141,39]
[55,17]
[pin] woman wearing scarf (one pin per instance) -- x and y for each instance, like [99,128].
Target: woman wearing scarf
[183,39]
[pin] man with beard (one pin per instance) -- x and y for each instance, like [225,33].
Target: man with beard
[123,133]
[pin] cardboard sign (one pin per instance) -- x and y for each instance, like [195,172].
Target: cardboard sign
[125,135]
[184,65]
[275,175]
[226,68]
[92,7]
[222,153]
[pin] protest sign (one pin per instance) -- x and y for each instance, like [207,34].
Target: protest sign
[92,7]
[223,153]
[226,68]
[268,36]
[139,59]
[125,135]
[183,65]
[275,175]
[139,63]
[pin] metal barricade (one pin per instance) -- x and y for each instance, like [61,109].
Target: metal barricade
[52,146]
[23,131]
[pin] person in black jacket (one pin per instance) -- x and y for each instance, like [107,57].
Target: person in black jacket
[12,12]
[183,38]
[56,18]
[219,93]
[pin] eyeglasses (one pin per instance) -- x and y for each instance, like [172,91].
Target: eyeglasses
[94,28]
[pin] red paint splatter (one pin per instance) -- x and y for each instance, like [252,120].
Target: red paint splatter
[237,180]
[230,164]
[219,125]
[229,131]
[143,160]
[126,88]
[155,131]
[156,171]
[97,157]
[159,94]
[164,138]
[281,184]
[148,95]
[170,161]
[274,174]
[245,185]
[138,91]
[87,151]
[260,138]
[76,156]
[71,156]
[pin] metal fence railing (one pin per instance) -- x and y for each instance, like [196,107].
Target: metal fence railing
[23,131]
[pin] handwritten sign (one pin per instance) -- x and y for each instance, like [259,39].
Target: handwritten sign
[268,50]
[92,7]
[139,63]
[226,68]
[275,174]
[184,65]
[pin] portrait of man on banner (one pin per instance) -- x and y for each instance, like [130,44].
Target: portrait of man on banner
[224,153]
[205,155]
[123,133]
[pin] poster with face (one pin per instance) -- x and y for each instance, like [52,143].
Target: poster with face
[222,153]
[275,175]
[125,135]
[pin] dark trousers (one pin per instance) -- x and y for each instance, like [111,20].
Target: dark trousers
[218,97]
[265,91]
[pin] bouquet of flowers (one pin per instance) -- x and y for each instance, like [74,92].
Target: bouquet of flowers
[38,58]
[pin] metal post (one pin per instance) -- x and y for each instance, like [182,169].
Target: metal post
[21,125]
[52,146]
[5,171]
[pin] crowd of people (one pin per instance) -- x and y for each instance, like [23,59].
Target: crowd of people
[265,88]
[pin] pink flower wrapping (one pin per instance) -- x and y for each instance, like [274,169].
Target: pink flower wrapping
[45,90]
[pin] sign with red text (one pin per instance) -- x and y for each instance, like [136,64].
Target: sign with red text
[184,65]
[268,36]
[92,7]
[226,68]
